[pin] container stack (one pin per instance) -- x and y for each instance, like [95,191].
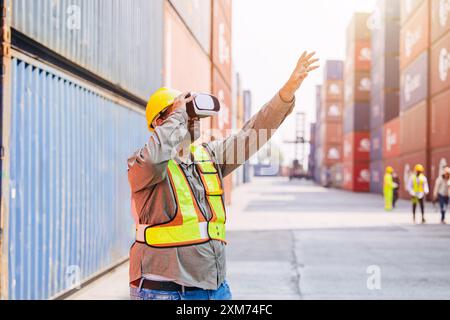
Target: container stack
[357,105]
[331,132]
[317,137]
[384,115]
[440,87]
[414,93]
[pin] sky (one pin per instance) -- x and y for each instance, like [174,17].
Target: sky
[269,37]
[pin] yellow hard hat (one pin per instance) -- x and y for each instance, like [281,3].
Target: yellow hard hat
[159,101]
[389,170]
[419,168]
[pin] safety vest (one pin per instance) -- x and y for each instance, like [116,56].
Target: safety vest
[189,225]
[419,184]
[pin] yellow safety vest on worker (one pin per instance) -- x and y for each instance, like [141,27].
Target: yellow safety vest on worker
[419,184]
[189,225]
[388,191]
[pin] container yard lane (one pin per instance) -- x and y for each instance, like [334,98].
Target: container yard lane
[346,247]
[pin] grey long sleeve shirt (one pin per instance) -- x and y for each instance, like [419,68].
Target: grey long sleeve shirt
[204,265]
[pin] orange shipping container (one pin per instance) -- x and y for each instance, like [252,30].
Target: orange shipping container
[359,57]
[358,28]
[440,18]
[332,112]
[408,8]
[413,129]
[440,65]
[332,154]
[331,133]
[357,88]
[333,90]
[391,139]
[440,121]
[222,57]
[414,36]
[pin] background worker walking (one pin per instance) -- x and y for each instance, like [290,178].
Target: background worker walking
[418,189]
[396,180]
[441,192]
[388,189]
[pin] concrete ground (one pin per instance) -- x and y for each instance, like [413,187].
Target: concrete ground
[295,240]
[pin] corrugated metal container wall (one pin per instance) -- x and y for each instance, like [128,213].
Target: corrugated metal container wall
[197,16]
[376,144]
[440,121]
[334,70]
[415,36]
[222,39]
[414,83]
[116,39]
[440,22]
[376,176]
[408,8]
[69,201]
[413,129]
[440,66]
[391,139]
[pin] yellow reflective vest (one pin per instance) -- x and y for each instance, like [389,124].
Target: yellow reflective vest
[189,225]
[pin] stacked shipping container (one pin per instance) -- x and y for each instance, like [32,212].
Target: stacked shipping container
[317,135]
[65,194]
[357,105]
[414,93]
[331,122]
[439,130]
[384,116]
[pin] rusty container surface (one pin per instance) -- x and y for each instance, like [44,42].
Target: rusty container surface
[413,129]
[415,36]
[440,121]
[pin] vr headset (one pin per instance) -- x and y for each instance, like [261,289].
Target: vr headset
[203,106]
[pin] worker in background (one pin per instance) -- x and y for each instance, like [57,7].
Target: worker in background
[388,189]
[441,192]
[418,189]
[396,180]
[177,194]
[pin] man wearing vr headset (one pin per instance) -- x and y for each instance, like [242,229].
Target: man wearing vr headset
[177,194]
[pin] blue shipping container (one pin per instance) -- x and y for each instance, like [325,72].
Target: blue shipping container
[69,214]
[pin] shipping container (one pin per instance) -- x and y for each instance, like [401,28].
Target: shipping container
[334,70]
[440,19]
[331,133]
[332,154]
[408,8]
[357,118]
[318,102]
[407,164]
[196,14]
[440,65]
[395,163]
[376,176]
[358,28]
[440,121]
[332,112]
[357,147]
[333,90]
[113,39]
[356,176]
[359,57]
[386,28]
[391,139]
[414,83]
[69,201]
[376,144]
[337,176]
[222,41]
[192,76]
[385,72]
[384,107]
[415,36]
[413,129]
[358,87]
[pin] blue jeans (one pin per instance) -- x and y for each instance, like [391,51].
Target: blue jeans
[223,293]
[443,203]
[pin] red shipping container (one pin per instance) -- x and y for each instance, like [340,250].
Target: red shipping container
[357,146]
[356,176]
[221,42]
[391,139]
[331,133]
[440,121]
[408,162]
[333,90]
[440,19]
[408,8]
[414,36]
[332,112]
[440,65]
[332,154]
[413,129]
[440,159]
